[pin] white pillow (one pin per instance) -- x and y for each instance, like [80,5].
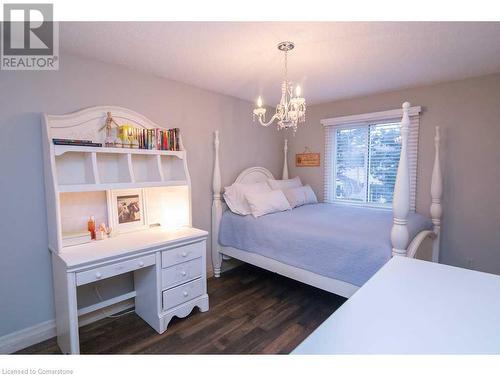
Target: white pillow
[234,196]
[267,203]
[284,184]
[300,196]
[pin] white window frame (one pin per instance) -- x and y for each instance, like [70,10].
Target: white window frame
[366,119]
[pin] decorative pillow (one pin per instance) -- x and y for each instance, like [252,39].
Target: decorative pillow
[234,196]
[267,203]
[285,184]
[300,196]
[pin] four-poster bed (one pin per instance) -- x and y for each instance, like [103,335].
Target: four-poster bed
[406,238]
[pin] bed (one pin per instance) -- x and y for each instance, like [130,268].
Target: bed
[343,246]
[331,246]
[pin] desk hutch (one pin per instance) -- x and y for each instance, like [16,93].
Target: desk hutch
[168,260]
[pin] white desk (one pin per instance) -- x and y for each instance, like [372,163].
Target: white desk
[169,266]
[169,269]
[414,307]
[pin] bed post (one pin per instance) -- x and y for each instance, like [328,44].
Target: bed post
[285,162]
[216,209]
[401,200]
[436,193]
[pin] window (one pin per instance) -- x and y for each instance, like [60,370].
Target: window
[362,156]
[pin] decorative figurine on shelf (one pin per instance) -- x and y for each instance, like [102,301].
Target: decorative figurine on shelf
[111,139]
[99,235]
[101,232]
[109,231]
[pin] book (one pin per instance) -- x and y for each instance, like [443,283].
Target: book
[75,142]
[159,139]
[177,143]
[71,140]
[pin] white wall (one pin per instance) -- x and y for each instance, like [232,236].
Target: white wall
[25,271]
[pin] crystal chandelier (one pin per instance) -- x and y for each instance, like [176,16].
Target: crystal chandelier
[292,109]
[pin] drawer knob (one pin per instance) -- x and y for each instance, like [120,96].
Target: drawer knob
[185,294]
[98,275]
[184,254]
[183,273]
[141,263]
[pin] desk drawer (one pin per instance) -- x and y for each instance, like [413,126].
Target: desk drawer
[182,293]
[180,273]
[182,254]
[104,272]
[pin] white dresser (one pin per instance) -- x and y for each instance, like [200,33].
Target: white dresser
[165,254]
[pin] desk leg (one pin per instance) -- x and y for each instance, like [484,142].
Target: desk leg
[66,307]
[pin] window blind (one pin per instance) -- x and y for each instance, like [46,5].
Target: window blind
[361,161]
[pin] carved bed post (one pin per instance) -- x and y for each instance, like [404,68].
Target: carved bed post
[216,210]
[285,162]
[436,193]
[401,200]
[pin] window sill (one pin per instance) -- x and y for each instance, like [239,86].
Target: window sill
[363,205]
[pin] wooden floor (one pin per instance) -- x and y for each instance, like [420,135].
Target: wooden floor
[251,311]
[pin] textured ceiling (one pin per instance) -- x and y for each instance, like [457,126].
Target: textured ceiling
[331,60]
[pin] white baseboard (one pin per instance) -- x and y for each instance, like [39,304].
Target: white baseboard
[43,331]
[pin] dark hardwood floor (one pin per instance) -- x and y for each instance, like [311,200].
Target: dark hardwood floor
[251,311]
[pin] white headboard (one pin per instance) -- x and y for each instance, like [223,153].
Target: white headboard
[254,174]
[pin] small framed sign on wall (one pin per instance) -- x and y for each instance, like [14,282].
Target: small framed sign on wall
[307,159]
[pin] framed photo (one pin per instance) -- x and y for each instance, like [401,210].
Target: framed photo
[127,210]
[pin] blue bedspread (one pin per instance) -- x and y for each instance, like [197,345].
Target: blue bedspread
[341,242]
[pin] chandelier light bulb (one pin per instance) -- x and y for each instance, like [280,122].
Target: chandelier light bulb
[259,102]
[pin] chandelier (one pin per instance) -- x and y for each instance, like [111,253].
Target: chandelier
[292,108]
